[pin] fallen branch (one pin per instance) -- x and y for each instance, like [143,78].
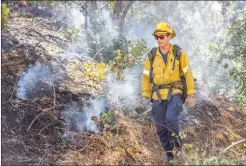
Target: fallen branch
[233,144]
[21,61]
[97,53]
[54,37]
[85,57]
[36,33]
[14,63]
[80,150]
[45,128]
[54,100]
[36,46]
[37,117]
[18,75]
[17,46]
[44,36]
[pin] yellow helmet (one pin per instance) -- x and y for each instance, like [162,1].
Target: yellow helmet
[164,28]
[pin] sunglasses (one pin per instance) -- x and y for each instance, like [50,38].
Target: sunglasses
[161,37]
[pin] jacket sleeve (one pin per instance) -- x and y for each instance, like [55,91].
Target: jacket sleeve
[185,66]
[145,79]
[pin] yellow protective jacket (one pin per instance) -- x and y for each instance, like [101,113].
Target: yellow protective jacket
[163,74]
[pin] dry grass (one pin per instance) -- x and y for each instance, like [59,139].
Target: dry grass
[130,143]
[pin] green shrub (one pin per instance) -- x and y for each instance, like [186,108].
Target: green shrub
[5,15]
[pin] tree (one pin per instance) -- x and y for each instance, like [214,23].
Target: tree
[235,46]
[119,10]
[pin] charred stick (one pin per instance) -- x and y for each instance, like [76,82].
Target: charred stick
[38,117]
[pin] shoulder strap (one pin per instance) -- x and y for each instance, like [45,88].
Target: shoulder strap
[177,54]
[152,53]
[177,51]
[151,57]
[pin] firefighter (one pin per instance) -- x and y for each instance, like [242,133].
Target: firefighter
[167,81]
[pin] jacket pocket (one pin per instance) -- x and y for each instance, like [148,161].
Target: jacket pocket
[157,68]
[158,79]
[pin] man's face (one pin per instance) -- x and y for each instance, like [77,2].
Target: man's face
[163,40]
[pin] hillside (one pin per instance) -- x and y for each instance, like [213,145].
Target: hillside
[54,109]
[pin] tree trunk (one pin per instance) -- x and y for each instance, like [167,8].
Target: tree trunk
[123,17]
[117,11]
[94,5]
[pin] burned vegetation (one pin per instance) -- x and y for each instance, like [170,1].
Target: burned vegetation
[61,110]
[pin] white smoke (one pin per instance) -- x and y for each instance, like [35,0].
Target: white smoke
[37,73]
[110,27]
[126,91]
[75,18]
[78,118]
[78,49]
[119,92]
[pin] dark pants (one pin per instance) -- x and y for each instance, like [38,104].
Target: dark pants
[166,116]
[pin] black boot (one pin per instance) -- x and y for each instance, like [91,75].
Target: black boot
[170,158]
[178,142]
